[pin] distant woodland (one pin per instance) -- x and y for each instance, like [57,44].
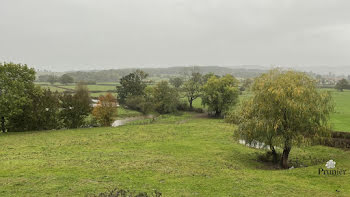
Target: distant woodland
[114,75]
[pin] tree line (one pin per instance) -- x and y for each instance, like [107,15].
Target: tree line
[218,93]
[342,84]
[64,79]
[25,106]
[113,75]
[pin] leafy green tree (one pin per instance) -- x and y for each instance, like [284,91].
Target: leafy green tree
[166,98]
[143,103]
[192,88]
[286,109]
[341,85]
[49,109]
[131,85]
[40,114]
[176,82]
[207,76]
[75,108]
[220,93]
[66,79]
[16,84]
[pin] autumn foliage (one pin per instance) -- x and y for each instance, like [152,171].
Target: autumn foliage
[105,109]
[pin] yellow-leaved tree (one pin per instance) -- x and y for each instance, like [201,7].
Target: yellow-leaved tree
[105,109]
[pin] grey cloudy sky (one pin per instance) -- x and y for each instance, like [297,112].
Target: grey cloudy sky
[98,34]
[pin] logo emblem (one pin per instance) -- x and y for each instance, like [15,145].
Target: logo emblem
[330,164]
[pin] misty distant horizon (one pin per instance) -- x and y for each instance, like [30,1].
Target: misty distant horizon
[338,71]
[71,35]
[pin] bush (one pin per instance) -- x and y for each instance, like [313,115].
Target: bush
[165,98]
[105,109]
[232,117]
[140,103]
[90,121]
[40,114]
[183,106]
[75,108]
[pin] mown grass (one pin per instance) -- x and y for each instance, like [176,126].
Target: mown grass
[177,155]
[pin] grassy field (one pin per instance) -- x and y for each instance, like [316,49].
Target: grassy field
[96,90]
[125,113]
[340,120]
[176,155]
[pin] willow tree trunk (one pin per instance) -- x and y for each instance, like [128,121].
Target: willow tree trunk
[191,101]
[285,156]
[274,154]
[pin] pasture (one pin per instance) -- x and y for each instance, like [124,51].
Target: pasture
[181,155]
[95,90]
[340,120]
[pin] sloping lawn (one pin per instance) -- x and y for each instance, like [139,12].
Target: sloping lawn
[176,155]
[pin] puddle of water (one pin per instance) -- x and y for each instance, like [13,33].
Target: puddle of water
[254,144]
[121,122]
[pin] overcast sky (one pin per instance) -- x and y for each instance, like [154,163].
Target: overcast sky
[97,34]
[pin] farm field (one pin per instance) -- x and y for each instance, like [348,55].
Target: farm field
[95,90]
[177,155]
[340,120]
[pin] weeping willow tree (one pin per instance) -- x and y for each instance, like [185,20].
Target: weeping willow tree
[286,109]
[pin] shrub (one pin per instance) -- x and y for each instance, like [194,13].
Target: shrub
[140,103]
[105,109]
[232,117]
[75,108]
[166,98]
[183,106]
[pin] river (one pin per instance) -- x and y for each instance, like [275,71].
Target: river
[121,122]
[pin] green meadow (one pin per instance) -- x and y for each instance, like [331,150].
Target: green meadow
[184,155]
[95,90]
[340,120]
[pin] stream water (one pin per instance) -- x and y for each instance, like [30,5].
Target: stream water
[121,122]
[255,144]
